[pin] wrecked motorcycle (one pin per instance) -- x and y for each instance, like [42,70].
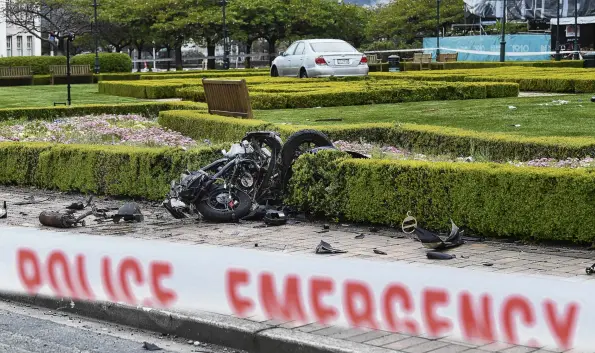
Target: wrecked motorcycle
[252,173]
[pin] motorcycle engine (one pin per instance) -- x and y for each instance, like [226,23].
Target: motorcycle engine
[190,185]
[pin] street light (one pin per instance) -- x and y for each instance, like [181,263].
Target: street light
[576,57]
[558,33]
[96,35]
[503,40]
[437,29]
[223,4]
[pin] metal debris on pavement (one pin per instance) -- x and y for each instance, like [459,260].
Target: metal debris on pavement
[326,226]
[379,252]
[151,347]
[79,206]
[590,270]
[326,248]
[62,220]
[275,218]
[409,224]
[437,242]
[488,264]
[434,255]
[129,212]
[360,236]
[3,211]
[373,229]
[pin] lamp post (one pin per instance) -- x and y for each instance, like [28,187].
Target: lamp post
[503,40]
[558,33]
[223,4]
[96,35]
[437,29]
[576,57]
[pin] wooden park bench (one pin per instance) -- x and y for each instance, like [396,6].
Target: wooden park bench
[422,59]
[60,71]
[445,58]
[228,97]
[21,73]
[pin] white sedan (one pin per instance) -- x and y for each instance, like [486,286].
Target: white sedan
[320,58]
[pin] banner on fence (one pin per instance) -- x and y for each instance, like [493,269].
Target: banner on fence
[527,47]
[529,9]
[416,299]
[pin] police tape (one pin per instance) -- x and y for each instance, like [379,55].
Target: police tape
[436,301]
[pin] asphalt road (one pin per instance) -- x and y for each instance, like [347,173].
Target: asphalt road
[25,329]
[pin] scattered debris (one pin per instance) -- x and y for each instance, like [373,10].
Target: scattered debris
[323,231]
[373,229]
[590,270]
[326,226]
[488,264]
[409,224]
[593,99]
[129,212]
[30,200]
[555,102]
[79,206]
[516,125]
[275,218]
[256,245]
[330,119]
[464,257]
[326,248]
[379,252]
[151,347]
[436,242]
[434,255]
[360,236]
[3,211]
[511,107]
[62,220]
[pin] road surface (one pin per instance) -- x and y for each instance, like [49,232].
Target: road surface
[25,329]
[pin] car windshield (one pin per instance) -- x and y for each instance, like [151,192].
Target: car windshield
[332,47]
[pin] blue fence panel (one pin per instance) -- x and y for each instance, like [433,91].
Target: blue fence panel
[515,43]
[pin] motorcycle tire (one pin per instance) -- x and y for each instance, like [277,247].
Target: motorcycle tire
[211,213]
[292,146]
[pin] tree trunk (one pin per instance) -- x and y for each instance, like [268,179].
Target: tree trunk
[248,53]
[272,48]
[179,62]
[211,52]
[139,55]
[169,57]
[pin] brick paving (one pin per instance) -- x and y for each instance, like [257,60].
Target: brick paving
[301,238]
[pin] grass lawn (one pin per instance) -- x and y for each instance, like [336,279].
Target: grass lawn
[577,118]
[45,96]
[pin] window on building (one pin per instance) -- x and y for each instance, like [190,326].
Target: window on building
[19,46]
[29,45]
[9,46]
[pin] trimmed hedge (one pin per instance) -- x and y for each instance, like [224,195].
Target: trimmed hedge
[109,62]
[329,95]
[40,65]
[420,138]
[457,65]
[107,170]
[144,89]
[488,199]
[150,109]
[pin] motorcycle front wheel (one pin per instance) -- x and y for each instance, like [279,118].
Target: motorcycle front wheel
[222,205]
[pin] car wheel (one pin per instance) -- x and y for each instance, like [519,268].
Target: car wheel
[303,73]
[274,72]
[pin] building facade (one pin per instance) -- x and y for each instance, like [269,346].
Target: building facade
[16,41]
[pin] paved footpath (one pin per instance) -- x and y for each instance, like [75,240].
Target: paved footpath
[301,238]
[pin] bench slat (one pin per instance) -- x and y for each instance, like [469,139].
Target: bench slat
[228,97]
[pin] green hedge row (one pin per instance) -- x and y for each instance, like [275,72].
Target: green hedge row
[488,199]
[427,139]
[107,170]
[409,66]
[149,109]
[361,95]
[108,62]
[40,65]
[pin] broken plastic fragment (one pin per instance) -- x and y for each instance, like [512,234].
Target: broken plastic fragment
[151,347]
[434,255]
[326,248]
[511,107]
[3,211]
[379,252]
[360,236]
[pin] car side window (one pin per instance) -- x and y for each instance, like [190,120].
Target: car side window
[300,49]
[291,49]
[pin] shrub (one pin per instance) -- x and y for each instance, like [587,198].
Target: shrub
[149,109]
[109,170]
[144,89]
[489,199]
[40,65]
[109,62]
[420,138]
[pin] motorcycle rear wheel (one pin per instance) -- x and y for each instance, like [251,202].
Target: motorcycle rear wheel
[297,144]
[215,206]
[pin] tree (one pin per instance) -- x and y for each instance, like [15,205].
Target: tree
[38,17]
[350,24]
